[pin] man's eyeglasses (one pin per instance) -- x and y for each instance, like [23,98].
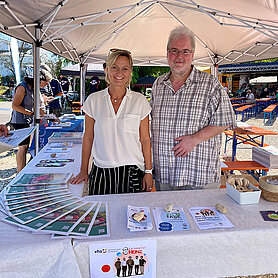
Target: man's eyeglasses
[112,50]
[183,52]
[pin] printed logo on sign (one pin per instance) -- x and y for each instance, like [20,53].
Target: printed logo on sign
[101,251]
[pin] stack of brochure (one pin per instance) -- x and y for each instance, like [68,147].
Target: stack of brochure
[75,137]
[209,218]
[170,221]
[68,117]
[144,225]
[42,203]
[267,156]
[59,125]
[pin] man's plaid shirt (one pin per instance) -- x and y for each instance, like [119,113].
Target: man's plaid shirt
[200,102]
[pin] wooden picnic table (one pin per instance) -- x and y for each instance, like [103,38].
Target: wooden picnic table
[264,102]
[246,135]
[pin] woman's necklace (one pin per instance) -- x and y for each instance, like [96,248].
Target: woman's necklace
[115,100]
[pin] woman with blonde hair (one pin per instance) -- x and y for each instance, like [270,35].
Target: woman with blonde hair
[117,128]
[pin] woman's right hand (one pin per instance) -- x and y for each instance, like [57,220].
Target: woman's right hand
[82,176]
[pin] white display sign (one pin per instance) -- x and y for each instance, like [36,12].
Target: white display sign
[123,259]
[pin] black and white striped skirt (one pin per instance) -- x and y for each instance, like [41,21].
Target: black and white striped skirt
[123,179]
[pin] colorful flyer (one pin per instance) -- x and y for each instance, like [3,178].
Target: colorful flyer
[269,215]
[144,224]
[123,259]
[209,218]
[82,229]
[66,221]
[170,221]
[28,203]
[41,179]
[40,212]
[14,190]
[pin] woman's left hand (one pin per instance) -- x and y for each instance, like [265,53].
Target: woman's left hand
[148,182]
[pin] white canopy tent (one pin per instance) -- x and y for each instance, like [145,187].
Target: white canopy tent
[263,79]
[84,31]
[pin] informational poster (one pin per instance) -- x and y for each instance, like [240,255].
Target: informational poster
[123,259]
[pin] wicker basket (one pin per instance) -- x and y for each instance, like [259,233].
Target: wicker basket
[269,191]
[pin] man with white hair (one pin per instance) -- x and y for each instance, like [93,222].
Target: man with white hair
[190,110]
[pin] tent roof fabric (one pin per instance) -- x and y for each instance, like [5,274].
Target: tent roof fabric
[84,31]
[263,79]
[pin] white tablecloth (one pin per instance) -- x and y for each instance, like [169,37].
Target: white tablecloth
[25,255]
[251,247]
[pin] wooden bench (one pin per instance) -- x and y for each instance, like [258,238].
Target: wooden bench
[251,167]
[245,110]
[270,111]
[244,138]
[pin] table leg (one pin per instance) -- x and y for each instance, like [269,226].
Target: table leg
[234,146]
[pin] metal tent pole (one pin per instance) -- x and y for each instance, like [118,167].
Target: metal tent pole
[36,73]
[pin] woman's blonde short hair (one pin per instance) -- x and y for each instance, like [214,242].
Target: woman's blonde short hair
[114,54]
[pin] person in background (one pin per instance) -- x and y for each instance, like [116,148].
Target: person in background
[55,106]
[190,110]
[250,97]
[3,130]
[23,111]
[117,127]
[94,84]
[264,93]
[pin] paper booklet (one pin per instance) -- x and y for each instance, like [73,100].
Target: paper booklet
[14,210]
[66,136]
[61,145]
[57,150]
[95,224]
[41,179]
[144,225]
[50,116]
[14,190]
[170,221]
[209,218]
[15,137]
[60,124]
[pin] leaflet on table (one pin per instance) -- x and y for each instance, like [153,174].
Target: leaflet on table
[143,225]
[209,218]
[269,215]
[15,137]
[42,179]
[27,217]
[60,124]
[57,150]
[53,160]
[36,223]
[93,228]
[32,194]
[50,116]
[61,145]
[65,136]
[27,202]
[106,256]
[63,224]
[56,155]
[82,229]
[68,117]
[38,205]
[170,221]
[14,190]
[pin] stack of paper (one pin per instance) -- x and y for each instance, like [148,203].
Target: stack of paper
[209,218]
[170,221]
[60,124]
[75,137]
[68,117]
[144,225]
[42,203]
[267,156]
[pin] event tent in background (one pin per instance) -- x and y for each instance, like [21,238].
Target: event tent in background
[84,31]
[92,70]
[263,79]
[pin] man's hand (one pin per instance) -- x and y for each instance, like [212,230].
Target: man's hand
[186,144]
[3,130]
